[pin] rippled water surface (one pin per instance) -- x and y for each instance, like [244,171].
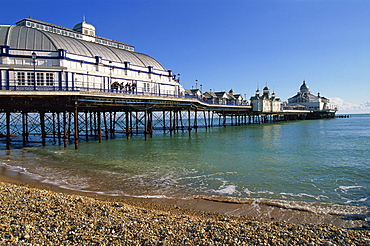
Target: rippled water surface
[314,161]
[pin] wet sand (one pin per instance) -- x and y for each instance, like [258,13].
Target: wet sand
[43,214]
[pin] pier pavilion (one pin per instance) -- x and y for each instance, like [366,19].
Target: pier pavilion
[265,102]
[305,100]
[61,85]
[36,55]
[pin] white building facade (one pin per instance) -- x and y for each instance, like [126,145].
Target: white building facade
[305,100]
[265,103]
[36,55]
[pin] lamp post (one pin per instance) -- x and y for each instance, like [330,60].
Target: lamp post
[110,74]
[34,69]
[87,80]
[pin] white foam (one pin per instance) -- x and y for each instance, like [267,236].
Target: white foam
[152,196]
[228,190]
[247,191]
[265,192]
[356,201]
[346,188]
[300,195]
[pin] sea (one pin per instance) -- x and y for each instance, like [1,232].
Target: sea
[321,166]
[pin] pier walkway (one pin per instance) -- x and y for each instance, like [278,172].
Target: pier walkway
[62,117]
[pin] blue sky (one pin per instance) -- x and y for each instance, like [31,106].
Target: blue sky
[236,44]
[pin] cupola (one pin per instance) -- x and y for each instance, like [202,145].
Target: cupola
[304,88]
[85,28]
[266,91]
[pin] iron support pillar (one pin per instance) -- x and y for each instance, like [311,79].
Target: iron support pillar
[65,136]
[196,120]
[42,125]
[99,127]
[24,128]
[76,125]
[189,122]
[7,129]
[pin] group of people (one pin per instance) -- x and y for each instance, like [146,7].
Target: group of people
[123,87]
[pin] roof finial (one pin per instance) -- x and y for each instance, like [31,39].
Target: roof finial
[83,18]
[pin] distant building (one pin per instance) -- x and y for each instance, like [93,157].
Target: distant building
[265,102]
[36,55]
[305,100]
[221,97]
[236,98]
[194,93]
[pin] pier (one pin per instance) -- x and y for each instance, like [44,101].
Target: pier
[62,86]
[342,116]
[69,117]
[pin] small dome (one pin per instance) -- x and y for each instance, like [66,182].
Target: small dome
[304,88]
[85,28]
[266,88]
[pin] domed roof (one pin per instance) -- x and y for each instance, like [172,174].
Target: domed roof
[25,38]
[304,87]
[83,24]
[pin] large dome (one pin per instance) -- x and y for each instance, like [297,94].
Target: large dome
[25,38]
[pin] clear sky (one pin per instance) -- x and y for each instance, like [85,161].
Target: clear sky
[238,44]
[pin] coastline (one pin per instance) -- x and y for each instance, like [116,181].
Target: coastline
[33,214]
[254,210]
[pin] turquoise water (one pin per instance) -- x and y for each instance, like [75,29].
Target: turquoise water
[322,165]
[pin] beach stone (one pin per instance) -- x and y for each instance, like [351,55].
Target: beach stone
[34,216]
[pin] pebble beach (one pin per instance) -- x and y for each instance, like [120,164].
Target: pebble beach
[31,215]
